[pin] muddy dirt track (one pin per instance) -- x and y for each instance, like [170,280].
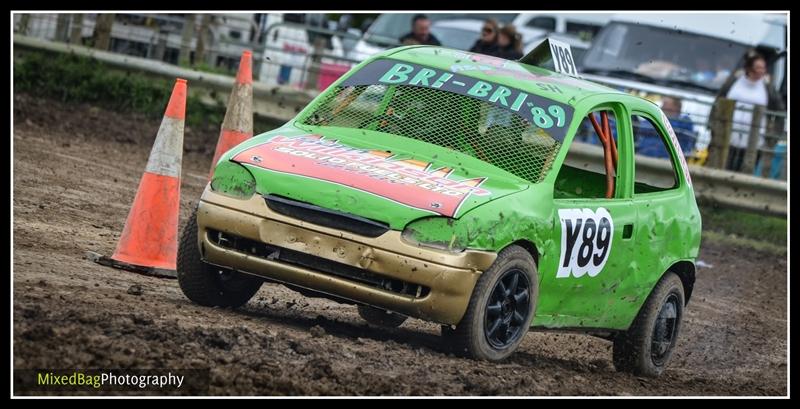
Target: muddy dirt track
[76,169]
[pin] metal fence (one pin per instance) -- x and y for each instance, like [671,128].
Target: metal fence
[739,138]
[304,57]
[203,41]
[735,136]
[291,54]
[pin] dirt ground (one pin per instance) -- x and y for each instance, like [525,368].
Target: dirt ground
[76,169]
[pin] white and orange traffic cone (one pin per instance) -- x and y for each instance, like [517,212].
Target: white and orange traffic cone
[149,241]
[238,123]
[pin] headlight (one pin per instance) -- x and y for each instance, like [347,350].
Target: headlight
[441,233]
[234,180]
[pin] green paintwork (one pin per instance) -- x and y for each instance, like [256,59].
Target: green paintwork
[664,226]
[234,180]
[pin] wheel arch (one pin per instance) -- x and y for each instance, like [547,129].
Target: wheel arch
[530,247]
[685,270]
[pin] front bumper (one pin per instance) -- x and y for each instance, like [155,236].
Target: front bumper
[443,281]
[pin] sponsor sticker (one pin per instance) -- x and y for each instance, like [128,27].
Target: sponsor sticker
[407,181]
[586,238]
[543,112]
[562,58]
[674,139]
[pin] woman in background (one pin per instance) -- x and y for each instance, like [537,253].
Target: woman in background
[509,43]
[487,43]
[748,89]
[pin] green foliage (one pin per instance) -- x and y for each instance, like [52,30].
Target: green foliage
[203,67]
[758,227]
[734,240]
[76,79]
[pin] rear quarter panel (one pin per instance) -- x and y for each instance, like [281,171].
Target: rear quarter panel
[667,231]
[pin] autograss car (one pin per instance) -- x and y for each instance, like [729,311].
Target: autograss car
[446,186]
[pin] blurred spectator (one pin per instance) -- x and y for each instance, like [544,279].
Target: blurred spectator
[672,107]
[487,43]
[748,89]
[681,123]
[420,32]
[509,43]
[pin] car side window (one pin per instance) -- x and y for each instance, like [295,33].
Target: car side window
[582,175]
[545,23]
[583,30]
[649,141]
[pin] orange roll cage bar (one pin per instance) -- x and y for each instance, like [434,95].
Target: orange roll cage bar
[609,149]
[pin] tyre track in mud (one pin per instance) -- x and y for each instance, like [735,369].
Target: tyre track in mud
[76,169]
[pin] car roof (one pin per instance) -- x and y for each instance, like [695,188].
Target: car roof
[501,71]
[595,18]
[464,24]
[749,29]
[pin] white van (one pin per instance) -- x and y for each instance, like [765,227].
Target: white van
[386,30]
[582,25]
[287,49]
[688,56]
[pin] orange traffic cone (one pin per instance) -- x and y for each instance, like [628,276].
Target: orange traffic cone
[149,241]
[238,123]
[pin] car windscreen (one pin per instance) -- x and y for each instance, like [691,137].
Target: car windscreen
[585,31]
[662,56]
[514,130]
[457,38]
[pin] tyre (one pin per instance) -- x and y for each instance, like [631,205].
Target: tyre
[379,317]
[209,285]
[500,309]
[646,347]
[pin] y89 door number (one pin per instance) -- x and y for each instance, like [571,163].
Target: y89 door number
[585,241]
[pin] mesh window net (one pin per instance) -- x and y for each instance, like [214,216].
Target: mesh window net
[480,129]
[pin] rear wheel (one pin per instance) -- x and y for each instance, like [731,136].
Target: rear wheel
[379,317]
[646,347]
[206,284]
[500,310]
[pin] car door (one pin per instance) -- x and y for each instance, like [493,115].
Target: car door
[664,204]
[593,233]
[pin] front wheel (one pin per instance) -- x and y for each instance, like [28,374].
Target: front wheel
[208,285]
[500,310]
[646,347]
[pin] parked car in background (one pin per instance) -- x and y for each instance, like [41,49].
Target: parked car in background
[582,25]
[458,34]
[287,46]
[656,55]
[387,29]
[461,34]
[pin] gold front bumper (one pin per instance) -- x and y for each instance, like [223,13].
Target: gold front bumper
[450,277]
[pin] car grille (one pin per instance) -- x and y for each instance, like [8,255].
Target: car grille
[319,264]
[326,217]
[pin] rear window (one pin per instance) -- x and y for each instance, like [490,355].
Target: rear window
[511,129]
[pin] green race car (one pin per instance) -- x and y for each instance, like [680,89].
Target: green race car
[458,188]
